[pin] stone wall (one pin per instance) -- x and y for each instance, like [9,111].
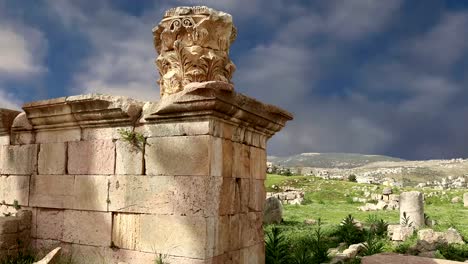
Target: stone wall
[186,180]
[15,232]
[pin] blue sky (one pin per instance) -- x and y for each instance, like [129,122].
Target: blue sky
[367,76]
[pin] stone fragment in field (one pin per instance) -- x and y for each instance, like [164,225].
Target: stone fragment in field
[456,200]
[273,212]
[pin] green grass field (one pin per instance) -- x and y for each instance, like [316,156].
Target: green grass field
[332,201]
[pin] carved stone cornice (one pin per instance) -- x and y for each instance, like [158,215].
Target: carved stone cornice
[193,45]
[6,120]
[92,110]
[217,99]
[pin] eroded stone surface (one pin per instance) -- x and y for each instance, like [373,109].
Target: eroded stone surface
[52,158]
[178,156]
[180,235]
[91,157]
[129,158]
[86,192]
[87,228]
[14,188]
[18,160]
[142,194]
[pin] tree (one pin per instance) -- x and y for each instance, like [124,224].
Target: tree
[352,178]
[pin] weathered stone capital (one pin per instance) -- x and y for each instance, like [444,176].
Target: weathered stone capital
[91,110]
[6,119]
[193,45]
[218,100]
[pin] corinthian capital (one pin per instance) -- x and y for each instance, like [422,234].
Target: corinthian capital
[193,45]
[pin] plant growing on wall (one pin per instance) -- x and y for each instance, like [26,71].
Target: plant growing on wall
[134,138]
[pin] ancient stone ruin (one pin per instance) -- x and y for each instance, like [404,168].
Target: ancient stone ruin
[115,180]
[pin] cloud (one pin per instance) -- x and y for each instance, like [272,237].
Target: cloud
[443,45]
[22,50]
[8,100]
[354,19]
[121,58]
[350,90]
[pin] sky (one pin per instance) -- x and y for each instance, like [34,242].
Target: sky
[383,77]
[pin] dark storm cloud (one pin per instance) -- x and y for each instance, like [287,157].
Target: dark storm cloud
[360,76]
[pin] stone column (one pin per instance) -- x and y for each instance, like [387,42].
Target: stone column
[412,203]
[465,200]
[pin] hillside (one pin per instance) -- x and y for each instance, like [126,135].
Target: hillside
[329,160]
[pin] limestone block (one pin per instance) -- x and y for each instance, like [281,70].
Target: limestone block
[86,192]
[91,157]
[235,234]
[241,161]
[197,195]
[19,160]
[5,140]
[90,192]
[87,228]
[258,163]
[217,158]
[227,197]
[244,185]
[232,257]
[177,235]
[129,158]
[257,195]
[142,194]
[8,225]
[251,228]
[412,203]
[22,138]
[14,188]
[49,224]
[227,158]
[194,128]
[52,191]
[223,232]
[52,158]
[94,133]
[53,136]
[43,246]
[178,156]
[465,200]
[129,256]
[253,254]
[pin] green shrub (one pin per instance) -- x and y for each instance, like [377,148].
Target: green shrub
[22,258]
[276,247]
[377,227]
[348,232]
[454,252]
[373,245]
[352,178]
[318,245]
